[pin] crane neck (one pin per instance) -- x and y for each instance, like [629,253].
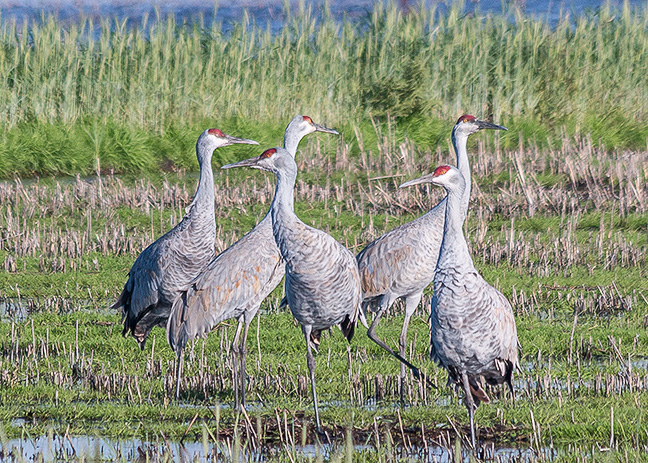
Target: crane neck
[291,141]
[283,204]
[203,202]
[454,250]
[460,142]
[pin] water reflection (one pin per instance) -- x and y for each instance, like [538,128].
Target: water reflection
[94,448]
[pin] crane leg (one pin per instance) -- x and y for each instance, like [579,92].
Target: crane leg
[374,337]
[243,353]
[310,360]
[235,364]
[411,303]
[179,361]
[402,344]
[470,405]
[509,383]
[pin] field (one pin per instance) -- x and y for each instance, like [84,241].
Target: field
[558,222]
[575,275]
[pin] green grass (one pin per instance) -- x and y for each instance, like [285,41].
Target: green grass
[137,98]
[393,85]
[582,252]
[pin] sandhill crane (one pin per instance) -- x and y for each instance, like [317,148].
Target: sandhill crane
[234,283]
[401,263]
[322,281]
[167,265]
[472,328]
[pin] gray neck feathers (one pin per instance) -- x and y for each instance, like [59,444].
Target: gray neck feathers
[291,140]
[454,251]
[459,142]
[283,204]
[203,201]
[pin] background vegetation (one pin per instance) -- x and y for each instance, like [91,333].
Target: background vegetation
[136,97]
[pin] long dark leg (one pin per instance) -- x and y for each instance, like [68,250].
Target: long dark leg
[374,337]
[402,344]
[470,404]
[235,363]
[243,353]
[180,360]
[410,307]
[509,381]
[310,360]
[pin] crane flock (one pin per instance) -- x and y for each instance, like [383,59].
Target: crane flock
[179,283]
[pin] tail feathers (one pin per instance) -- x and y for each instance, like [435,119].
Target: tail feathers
[284,303]
[506,368]
[129,320]
[362,315]
[478,393]
[176,331]
[348,327]
[140,325]
[315,339]
[508,376]
[120,301]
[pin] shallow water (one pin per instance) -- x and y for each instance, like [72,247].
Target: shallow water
[270,11]
[95,448]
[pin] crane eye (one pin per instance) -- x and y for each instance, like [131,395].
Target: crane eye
[307,119]
[268,153]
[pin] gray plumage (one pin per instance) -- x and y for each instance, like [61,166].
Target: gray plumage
[234,283]
[172,261]
[401,263]
[322,280]
[472,327]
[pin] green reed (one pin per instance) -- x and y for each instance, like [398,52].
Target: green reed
[72,92]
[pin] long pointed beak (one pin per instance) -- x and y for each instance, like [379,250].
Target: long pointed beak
[244,141]
[425,179]
[489,125]
[321,128]
[251,162]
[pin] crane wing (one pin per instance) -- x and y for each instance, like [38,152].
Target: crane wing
[141,292]
[404,258]
[237,280]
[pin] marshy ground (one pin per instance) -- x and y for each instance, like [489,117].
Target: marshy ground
[562,233]
[97,127]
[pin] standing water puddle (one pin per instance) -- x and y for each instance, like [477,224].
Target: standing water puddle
[88,448]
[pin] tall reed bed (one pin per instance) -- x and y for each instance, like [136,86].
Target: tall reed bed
[71,93]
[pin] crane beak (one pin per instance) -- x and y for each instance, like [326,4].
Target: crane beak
[321,128]
[251,162]
[232,140]
[425,179]
[489,125]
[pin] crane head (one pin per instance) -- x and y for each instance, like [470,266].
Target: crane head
[441,176]
[450,178]
[271,160]
[468,124]
[219,139]
[441,170]
[303,125]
